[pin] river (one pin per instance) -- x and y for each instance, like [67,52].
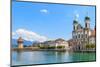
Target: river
[46,57]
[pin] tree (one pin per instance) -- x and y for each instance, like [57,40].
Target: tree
[60,47]
[87,46]
[90,46]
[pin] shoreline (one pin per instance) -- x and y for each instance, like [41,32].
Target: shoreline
[38,49]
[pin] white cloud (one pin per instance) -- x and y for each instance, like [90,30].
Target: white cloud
[29,35]
[44,11]
[13,33]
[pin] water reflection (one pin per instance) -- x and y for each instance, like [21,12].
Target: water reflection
[43,57]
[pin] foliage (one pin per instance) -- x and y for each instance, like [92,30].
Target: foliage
[51,47]
[60,47]
[90,46]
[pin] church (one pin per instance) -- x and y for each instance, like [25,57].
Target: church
[81,36]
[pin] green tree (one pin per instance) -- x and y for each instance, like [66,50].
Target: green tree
[60,47]
[92,46]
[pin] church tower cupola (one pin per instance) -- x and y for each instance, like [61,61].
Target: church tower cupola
[75,23]
[87,22]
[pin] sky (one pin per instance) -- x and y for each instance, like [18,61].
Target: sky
[43,21]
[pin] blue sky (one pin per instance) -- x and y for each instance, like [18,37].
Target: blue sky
[49,20]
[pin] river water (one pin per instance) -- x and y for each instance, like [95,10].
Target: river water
[46,57]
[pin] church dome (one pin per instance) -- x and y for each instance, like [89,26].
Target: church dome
[75,22]
[87,18]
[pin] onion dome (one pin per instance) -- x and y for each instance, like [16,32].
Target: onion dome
[87,18]
[75,22]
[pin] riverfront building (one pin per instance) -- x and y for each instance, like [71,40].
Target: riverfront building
[92,39]
[81,36]
[53,43]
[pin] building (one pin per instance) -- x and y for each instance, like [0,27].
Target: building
[20,42]
[54,43]
[81,36]
[92,38]
[61,42]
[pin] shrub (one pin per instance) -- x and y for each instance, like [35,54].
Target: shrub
[42,47]
[90,46]
[60,47]
[51,47]
[87,46]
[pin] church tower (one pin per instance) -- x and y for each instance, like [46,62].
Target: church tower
[87,22]
[75,24]
[20,42]
[86,30]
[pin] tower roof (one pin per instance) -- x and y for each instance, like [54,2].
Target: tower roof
[20,39]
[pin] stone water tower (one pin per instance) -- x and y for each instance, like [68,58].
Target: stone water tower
[20,42]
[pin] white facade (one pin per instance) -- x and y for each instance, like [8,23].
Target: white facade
[80,34]
[56,43]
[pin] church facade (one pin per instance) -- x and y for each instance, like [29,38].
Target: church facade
[81,36]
